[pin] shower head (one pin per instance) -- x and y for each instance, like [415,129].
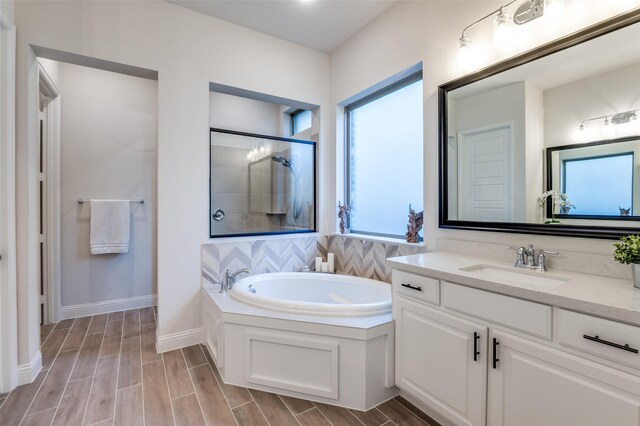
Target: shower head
[281,159]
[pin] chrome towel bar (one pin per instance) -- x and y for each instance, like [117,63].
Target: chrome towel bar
[82,201]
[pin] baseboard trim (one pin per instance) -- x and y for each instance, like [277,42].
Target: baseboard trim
[182,339]
[27,373]
[88,309]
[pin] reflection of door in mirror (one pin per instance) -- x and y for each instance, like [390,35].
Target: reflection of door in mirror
[488,179]
[486,173]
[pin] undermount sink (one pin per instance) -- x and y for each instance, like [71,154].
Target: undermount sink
[515,276]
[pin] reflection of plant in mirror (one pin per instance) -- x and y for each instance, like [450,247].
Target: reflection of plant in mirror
[627,250]
[559,200]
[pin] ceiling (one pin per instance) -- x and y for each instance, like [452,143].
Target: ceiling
[319,24]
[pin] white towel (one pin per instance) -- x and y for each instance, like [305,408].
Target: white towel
[110,226]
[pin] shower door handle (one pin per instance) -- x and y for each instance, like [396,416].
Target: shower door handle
[218,215]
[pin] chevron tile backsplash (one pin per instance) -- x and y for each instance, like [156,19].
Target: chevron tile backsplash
[354,256]
[287,254]
[364,258]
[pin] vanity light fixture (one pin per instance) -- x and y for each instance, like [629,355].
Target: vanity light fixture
[617,118]
[502,31]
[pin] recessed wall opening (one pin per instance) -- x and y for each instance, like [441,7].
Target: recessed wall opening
[97,140]
[263,164]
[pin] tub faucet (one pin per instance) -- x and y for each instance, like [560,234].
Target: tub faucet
[230,279]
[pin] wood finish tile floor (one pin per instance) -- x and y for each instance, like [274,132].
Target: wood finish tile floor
[104,370]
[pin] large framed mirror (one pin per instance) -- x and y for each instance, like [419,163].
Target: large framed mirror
[547,142]
[261,185]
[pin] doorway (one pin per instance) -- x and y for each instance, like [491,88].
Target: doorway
[48,276]
[485,166]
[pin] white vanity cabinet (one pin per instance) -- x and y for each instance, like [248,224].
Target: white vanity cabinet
[535,385]
[481,358]
[441,360]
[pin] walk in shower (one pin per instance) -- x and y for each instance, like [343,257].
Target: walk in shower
[261,184]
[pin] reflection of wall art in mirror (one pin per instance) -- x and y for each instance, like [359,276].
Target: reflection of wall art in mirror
[262,183]
[495,126]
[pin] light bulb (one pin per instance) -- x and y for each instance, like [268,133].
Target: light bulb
[466,54]
[554,9]
[502,32]
[608,130]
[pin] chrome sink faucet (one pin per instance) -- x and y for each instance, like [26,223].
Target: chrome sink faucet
[230,279]
[526,258]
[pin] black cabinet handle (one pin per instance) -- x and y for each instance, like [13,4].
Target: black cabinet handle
[495,353]
[476,339]
[412,287]
[597,339]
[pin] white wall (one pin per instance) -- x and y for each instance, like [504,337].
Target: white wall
[472,113]
[410,32]
[243,114]
[568,105]
[189,50]
[108,150]
[8,7]
[534,152]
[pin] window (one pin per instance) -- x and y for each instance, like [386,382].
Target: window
[599,186]
[300,121]
[384,158]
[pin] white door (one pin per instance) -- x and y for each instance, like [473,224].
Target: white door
[442,361]
[536,385]
[485,169]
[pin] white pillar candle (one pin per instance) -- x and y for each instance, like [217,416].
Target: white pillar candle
[318,263]
[325,267]
[331,259]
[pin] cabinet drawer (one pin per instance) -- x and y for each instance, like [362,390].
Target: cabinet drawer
[601,337]
[416,286]
[521,315]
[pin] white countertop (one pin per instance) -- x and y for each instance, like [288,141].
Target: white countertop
[612,298]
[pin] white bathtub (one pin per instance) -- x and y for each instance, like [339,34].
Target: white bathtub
[315,294]
[323,337]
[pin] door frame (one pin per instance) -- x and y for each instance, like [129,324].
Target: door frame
[8,282]
[462,157]
[51,207]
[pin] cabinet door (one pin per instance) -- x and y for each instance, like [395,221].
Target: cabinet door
[536,385]
[436,361]
[213,334]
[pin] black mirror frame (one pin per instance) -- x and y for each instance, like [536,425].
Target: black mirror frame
[589,33]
